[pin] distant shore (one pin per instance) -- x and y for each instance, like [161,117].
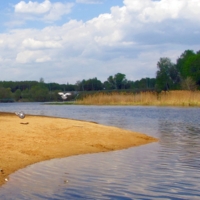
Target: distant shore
[168,98]
[180,98]
[37,138]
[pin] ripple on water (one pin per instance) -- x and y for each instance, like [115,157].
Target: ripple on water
[127,174]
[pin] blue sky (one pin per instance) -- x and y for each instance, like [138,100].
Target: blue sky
[80,10]
[71,40]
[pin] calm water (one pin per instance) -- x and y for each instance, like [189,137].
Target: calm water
[169,169]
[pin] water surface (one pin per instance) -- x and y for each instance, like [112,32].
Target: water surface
[169,169]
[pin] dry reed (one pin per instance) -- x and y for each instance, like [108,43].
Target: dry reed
[171,98]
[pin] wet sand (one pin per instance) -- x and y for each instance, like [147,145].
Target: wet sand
[37,138]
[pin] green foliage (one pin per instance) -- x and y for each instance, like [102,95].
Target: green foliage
[181,63]
[39,92]
[79,86]
[89,85]
[111,83]
[25,95]
[5,93]
[192,68]
[108,86]
[167,75]
[17,95]
[188,65]
[118,81]
[144,84]
[93,84]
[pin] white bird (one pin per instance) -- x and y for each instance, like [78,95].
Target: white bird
[20,114]
[64,95]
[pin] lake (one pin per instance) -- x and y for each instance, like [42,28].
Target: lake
[169,169]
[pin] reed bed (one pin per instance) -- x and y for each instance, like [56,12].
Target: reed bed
[171,98]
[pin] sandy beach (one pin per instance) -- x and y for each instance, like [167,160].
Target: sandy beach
[37,138]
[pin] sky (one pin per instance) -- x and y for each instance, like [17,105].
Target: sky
[71,40]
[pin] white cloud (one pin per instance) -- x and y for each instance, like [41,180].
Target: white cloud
[157,11]
[31,43]
[130,39]
[32,56]
[49,11]
[58,10]
[43,59]
[33,7]
[1,42]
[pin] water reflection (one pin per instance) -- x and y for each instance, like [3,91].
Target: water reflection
[165,170]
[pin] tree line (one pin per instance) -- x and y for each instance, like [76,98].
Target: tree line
[184,74]
[40,91]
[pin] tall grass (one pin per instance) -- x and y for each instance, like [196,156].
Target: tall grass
[171,98]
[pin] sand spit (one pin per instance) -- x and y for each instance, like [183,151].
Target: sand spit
[36,138]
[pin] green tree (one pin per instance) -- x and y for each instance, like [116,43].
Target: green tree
[5,93]
[107,86]
[120,80]
[111,82]
[39,93]
[182,63]
[167,75]
[26,95]
[93,84]
[192,68]
[80,85]
[17,95]
[129,84]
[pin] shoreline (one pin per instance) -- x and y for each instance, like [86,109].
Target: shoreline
[39,138]
[125,105]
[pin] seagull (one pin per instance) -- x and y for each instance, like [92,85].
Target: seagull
[20,114]
[64,95]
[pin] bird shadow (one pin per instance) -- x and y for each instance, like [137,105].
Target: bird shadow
[24,123]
